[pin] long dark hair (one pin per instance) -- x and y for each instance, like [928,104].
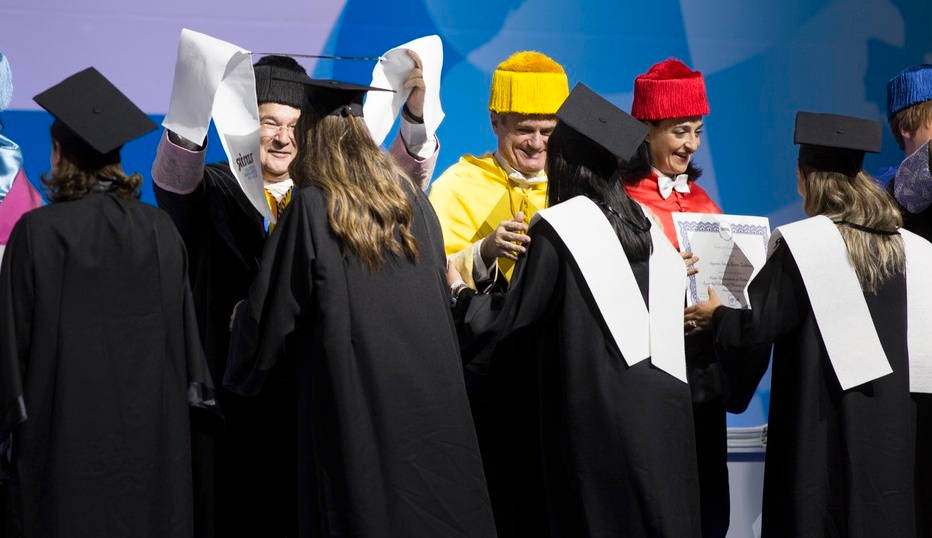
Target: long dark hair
[578,167]
[81,168]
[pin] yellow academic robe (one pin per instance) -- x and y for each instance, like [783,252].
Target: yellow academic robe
[471,199]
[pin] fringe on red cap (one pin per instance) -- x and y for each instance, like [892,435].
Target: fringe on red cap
[669,89]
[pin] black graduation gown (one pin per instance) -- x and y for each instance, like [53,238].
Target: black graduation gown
[99,361]
[839,463]
[708,384]
[386,443]
[475,316]
[919,223]
[235,463]
[577,443]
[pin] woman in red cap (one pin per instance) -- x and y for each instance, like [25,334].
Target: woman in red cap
[670,98]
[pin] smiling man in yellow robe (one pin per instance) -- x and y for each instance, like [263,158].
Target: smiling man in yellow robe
[484,203]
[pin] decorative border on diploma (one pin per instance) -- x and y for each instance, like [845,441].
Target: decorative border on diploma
[713,227]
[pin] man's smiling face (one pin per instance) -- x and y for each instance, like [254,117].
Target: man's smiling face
[522,140]
[276,139]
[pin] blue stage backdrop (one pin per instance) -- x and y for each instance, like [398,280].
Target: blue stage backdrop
[762,62]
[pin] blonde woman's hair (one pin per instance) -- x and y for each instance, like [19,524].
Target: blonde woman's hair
[858,200]
[368,205]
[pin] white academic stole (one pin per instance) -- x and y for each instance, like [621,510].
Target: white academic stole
[640,332]
[841,312]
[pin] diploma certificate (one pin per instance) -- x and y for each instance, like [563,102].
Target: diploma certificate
[731,249]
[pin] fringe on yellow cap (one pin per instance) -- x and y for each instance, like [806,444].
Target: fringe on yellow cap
[528,82]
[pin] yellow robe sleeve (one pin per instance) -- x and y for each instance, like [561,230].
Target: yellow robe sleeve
[471,198]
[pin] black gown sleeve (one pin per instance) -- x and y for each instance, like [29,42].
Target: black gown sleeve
[743,338]
[188,212]
[201,390]
[263,322]
[532,291]
[489,320]
[17,288]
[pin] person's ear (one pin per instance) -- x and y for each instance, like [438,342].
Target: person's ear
[496,120]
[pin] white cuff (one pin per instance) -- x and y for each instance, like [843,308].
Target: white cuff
[479,268]
[414,136]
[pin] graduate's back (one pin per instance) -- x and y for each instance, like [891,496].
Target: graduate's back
[385,437]
[99,334]
[846,435]
[580,439]
[101,356]
[351,303]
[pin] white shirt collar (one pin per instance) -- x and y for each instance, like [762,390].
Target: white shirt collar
[521,179]
[279,189]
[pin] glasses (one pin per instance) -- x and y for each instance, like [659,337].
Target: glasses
[272,129]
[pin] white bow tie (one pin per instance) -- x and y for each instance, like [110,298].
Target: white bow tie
[667,185]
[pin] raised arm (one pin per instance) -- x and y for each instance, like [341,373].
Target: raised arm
[416,154]
[179,164]
[414,148]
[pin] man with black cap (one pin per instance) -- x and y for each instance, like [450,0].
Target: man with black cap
[101,357]
[592,431]
[841,298]
[225,235]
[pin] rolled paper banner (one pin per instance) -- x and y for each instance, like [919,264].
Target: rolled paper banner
[215,79]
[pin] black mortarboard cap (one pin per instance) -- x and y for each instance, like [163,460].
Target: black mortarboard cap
[608,126]
[332,97]
[835,143]
[93,112]
[270,88]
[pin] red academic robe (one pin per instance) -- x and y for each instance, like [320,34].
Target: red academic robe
[696,201]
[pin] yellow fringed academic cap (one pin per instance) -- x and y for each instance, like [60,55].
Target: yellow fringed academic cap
[528,82]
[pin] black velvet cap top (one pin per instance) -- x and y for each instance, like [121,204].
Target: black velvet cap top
[94,113]
[332,97]
[835,143]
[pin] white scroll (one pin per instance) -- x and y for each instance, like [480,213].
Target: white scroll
[381,108]
[214,78]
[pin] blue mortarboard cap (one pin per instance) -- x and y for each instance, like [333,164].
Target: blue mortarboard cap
[911,86]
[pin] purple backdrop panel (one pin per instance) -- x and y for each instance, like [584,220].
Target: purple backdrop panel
[134,43]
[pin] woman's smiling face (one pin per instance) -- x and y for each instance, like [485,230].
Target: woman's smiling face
[672,143]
